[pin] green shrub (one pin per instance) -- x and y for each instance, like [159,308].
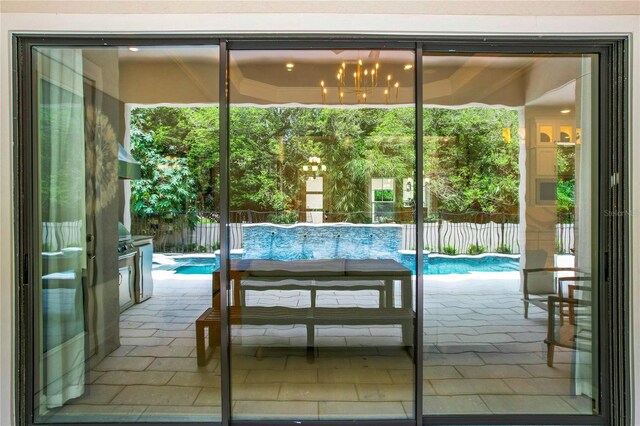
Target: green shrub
[432,218]
[476,249]
[383,195]
[450,250]
[207,220]
[284,217]
[504,249]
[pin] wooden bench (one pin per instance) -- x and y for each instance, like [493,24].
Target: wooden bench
[209,319]
[336,274]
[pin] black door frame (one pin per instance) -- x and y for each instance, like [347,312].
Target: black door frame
[613,195]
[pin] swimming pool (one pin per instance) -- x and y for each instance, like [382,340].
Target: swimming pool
[441,265]
[434,265]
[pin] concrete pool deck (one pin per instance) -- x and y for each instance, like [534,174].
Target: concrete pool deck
[480,356]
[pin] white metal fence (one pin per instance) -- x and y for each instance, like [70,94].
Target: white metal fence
[492,237]
[439,236]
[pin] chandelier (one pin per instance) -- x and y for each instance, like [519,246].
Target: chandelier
[314,167]
[357,80]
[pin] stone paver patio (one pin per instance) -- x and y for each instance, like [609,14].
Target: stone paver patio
[480,356]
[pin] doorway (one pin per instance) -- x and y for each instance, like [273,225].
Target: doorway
[322,307]
[339,238]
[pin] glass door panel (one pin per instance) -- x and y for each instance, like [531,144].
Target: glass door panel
[510,289]
[124,186]
[322,263]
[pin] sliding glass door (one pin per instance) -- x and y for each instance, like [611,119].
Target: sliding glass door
[322,217]
[121,186]
[511,290]
[294,231]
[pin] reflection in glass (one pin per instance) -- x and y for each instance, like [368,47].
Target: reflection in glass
[114,322]
[322,233]
[62,195]
[546,133]
[322,307]
[510,326]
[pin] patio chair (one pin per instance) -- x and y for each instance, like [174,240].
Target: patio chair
[575,333]
[540,283]
[570,283]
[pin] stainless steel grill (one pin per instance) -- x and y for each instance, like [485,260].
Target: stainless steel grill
[125,242]
[126,267]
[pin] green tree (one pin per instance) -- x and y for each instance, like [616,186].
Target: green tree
[166,191]
[565,188]
[190,133]
[470,165]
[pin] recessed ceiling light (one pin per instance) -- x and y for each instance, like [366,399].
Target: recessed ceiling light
[408,67]
[290,66]
[565,111]
[133,49]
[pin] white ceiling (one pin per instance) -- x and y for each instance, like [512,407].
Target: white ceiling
[261,77]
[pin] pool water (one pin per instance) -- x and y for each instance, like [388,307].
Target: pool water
[196,265]
[465,265]
[434,265]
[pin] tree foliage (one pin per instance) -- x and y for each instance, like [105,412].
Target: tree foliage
[566,182]
[469,164]
[167,188]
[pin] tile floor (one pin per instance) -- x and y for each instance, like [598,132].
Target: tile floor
[480,356]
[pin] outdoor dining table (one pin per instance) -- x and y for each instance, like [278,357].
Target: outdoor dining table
[312,275]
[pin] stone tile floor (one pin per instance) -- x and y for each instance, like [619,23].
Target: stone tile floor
[480,356]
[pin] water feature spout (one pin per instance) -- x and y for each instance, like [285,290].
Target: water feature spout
[337,246]
[273,236]
[305,255]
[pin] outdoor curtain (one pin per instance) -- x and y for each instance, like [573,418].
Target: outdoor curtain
[586,359]
[60,130]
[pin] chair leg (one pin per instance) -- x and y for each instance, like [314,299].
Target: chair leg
[550,354]
[526,309]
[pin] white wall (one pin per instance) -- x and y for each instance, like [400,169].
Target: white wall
[380,20]
[402,7]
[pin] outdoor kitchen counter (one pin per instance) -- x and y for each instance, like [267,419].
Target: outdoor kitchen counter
[141,239]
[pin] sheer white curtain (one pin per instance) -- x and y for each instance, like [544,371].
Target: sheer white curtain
[60,130]
[586,331]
